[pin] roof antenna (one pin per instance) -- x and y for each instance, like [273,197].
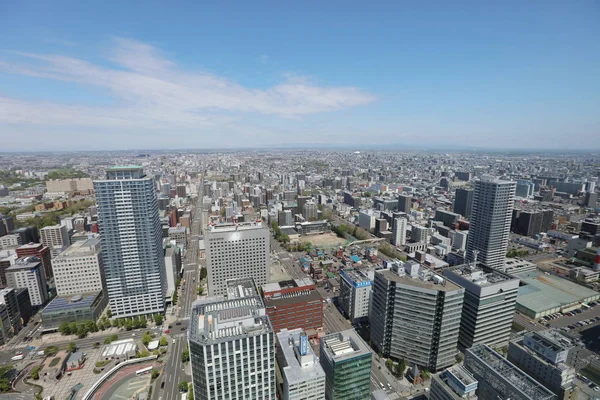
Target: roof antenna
[475,254]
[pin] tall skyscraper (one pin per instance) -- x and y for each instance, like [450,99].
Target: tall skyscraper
[416,315]
[236,251]
[232,346]
[404,203]
[490,221]
[346,360]
[489,306]
[399,231]
[131,236]
[463,202]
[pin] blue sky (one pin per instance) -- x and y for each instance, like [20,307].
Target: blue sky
[120,75]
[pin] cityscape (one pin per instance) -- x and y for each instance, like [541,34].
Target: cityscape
[300,201]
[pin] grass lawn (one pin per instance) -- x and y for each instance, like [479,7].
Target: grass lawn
[54,362]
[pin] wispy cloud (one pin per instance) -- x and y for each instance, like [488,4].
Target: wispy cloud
[149,89]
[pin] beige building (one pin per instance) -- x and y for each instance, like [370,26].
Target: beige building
[79,269]
[56,237]
[81,185]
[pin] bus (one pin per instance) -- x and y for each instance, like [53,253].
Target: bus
[17,357]
[143,371]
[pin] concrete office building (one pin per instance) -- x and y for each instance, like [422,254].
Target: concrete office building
[40,251]
[543,356]
[355,294]
[8,297]
[498,378]
[399,231]
[404,203]
[346,361]
[459,240]
[24,302]
[6,331]
[489,304]
[463,202]
[303,376]
[10,241]
[416,315]
[236,251]
[490,221]
[309,211]
[79,269]
[179,235]
[131,238]
[446,217]
[29,273]
[455,383]
[284,218]
[55,237]
[77,308]
[366,220]
[232,346]
[172,267]
[419,234]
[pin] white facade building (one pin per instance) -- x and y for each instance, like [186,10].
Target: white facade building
[399,231]
[56,238]
[29,274]
[236,251]
[79,269]
[303,376]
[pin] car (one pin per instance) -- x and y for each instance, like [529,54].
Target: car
[173,341]
[162,385]
[170,326]
[183,328]
[597,389]
[167,331]
[177,323]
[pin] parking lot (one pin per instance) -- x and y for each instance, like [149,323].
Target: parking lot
[575,319]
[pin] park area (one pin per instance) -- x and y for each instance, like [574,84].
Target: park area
[326,240]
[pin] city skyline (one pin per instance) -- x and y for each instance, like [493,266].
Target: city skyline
[471,76]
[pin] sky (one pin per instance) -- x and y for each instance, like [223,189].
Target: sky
[116,75]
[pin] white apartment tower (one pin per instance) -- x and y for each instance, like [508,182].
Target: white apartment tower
[29,273]
[490,221]
[79,269]
[236,251]
[131,242]
[399,231]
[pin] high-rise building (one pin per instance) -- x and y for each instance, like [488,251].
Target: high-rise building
[29,273]
[236,251]
[463,202]
[24,302]
[6,331]
[79,269]
[309,211]
[490,221]
[40,251]
[489,305]
[355,294]
[529,223]
[416,315]
[446,217]
[419,234]
[232,346]
[131,236]
[346,360]
[303,377]
[498,378]
[590,200]
[294,304]
[8,297]
[454,383]
[55,237]
[399,231]
[172,267]
[543,356]
[404,203]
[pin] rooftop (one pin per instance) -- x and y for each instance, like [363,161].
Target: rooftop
[215,319]
[542,292]
[28,262]
[28,245]
[344,345]
[119,348]
[289,284]
[284,300]
[478,275]
[123,167]
[514,375]
[355,277]
[76,301]
[241,226]
[81,248]
[424,280]
[296,367]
